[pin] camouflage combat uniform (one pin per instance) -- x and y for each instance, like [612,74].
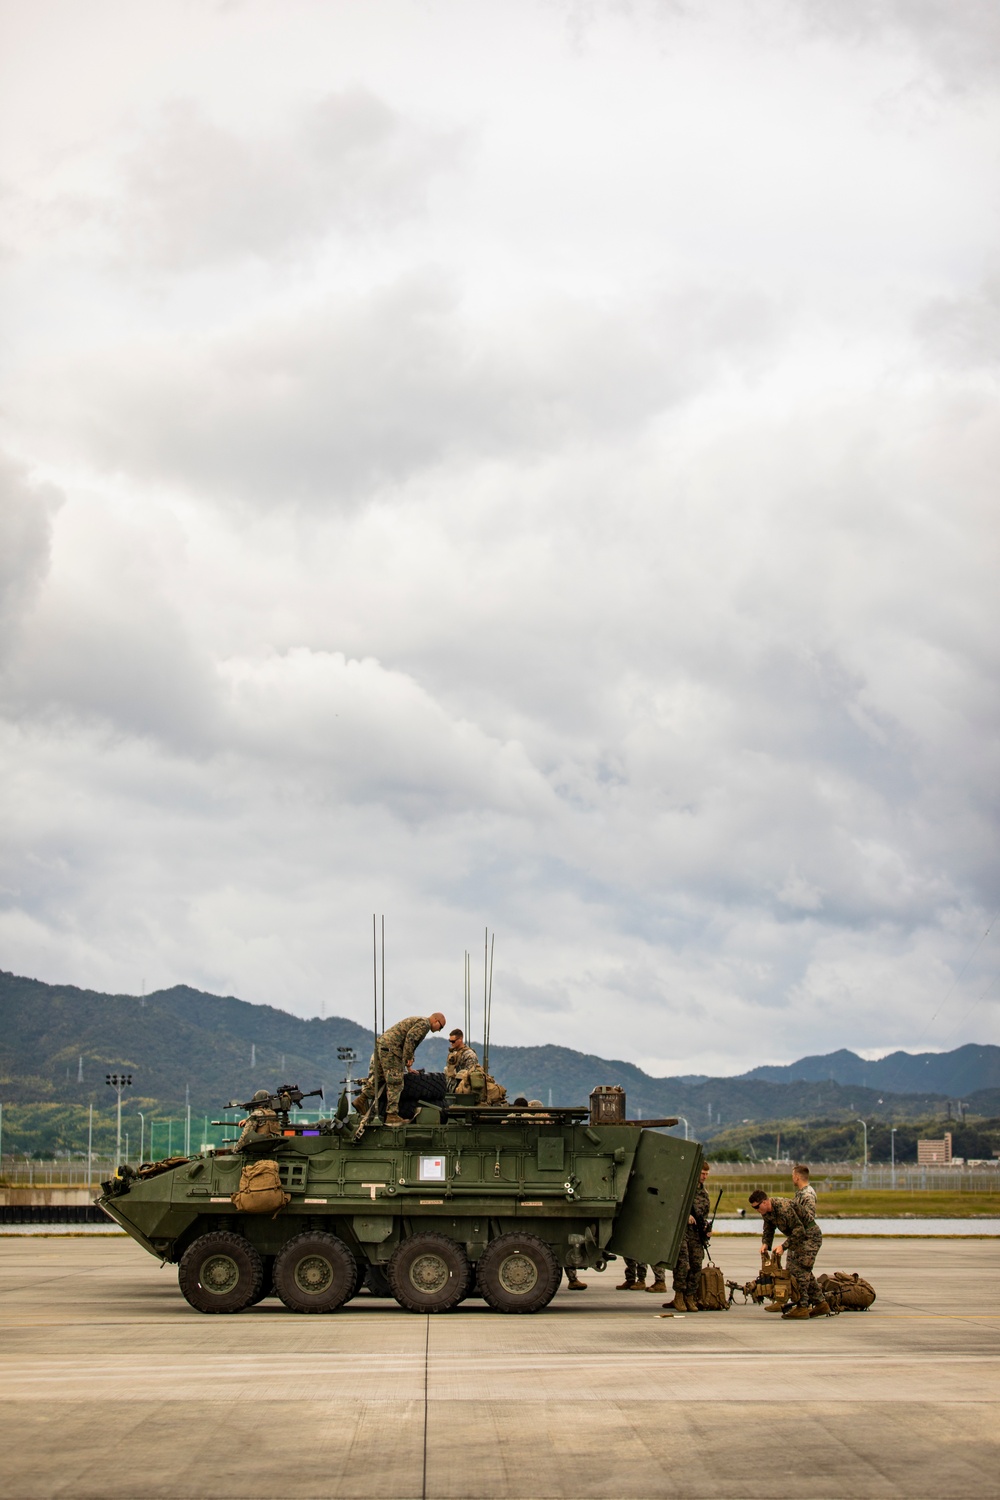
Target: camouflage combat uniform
[395,1049]
[258,1122]
[804,1239]
[635,1274]
[687,1267]
[460,1060]
[805,1197]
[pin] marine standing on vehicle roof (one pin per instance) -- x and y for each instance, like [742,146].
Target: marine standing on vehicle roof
[394,1050]
[805,1195]
[262,1120]
[460,1055]
[687,1267]
[803,1241]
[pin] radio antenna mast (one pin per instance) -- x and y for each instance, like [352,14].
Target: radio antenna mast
[489,1010]
[375,1033]
[383,971]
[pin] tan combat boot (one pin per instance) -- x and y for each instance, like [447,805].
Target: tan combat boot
[775,1307]
[659,1285]
[821,1310]
[679,1303]
[638,1286]
[394,1120]
[625,1286]
[797,1312]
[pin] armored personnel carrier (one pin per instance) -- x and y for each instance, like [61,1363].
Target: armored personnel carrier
[464,1199]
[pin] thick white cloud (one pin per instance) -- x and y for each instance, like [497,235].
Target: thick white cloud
[538,472]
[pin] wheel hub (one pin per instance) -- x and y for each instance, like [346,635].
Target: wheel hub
[313,1273]
[219,1274]
[429,1274]
[517,1273]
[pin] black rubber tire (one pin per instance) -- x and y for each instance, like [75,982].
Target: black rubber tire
[267,1283]
[518,1273]
[421,1088]
[429,1273]
[377,1281]
[221,1273]
[471,1286]
[315,1273]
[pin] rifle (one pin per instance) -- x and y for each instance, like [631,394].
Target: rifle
[287,1096]
[705,1228]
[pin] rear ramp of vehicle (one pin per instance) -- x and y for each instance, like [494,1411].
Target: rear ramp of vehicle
[658,1199]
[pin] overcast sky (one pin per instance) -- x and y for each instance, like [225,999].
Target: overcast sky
[521,463]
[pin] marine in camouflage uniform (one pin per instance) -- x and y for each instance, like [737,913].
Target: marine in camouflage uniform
[460,1058]
[635,1276]
[260,1121]
[691,1255]
[805,1197]
[803,1242]
[395,1049]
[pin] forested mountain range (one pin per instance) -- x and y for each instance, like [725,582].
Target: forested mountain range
[57,1042]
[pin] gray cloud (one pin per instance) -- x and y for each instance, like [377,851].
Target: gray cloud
[26,512]
[197,193]
[598,540]
[326,405]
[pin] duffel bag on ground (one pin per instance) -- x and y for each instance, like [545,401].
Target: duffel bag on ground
[260,1190]
[847,1291]
[712,1295]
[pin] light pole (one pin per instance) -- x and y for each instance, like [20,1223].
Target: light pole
[142,1134]
[348,1057]
[681,1120]
[892,1148]
[119,1082]
[864,1127]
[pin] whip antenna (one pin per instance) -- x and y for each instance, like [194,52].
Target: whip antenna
[383,972]
[489,1010]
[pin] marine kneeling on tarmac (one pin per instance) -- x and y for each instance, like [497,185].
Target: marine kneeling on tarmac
[803,1240]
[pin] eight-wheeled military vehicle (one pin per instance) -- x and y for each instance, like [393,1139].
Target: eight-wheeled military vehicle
[464,1199]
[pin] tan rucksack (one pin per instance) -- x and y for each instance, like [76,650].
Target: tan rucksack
[260,1190]
[847,1291]
[712,1295]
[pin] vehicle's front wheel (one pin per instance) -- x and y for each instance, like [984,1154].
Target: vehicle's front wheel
[315,1272]
[221,1273]
[429,1273]
[518,1273]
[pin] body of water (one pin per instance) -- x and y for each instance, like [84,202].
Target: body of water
[833,1227]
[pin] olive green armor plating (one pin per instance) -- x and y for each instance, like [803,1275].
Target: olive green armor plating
[464,1202]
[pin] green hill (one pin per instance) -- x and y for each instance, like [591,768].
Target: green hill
[182,1045]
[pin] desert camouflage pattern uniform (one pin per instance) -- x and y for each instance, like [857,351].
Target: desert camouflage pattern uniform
[395,1049]
[460,1060]
[687,1267]
[804,1238]
[258,1122]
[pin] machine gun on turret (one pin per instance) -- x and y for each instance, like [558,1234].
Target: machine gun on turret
[287,1096]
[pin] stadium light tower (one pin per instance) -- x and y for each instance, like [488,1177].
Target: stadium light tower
[119,1082]
[348,1057]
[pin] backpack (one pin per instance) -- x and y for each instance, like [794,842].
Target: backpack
[260,1190]
[847,1291]
[712,1290]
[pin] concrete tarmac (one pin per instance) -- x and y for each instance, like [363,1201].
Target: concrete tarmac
[111,1386]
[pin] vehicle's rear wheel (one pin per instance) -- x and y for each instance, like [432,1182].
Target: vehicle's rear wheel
[267,1282]
[221,1273]
[377,1281]
[518,1273]
[429,1273]
[315,1272]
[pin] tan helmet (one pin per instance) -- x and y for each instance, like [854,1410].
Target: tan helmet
[261,1097]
